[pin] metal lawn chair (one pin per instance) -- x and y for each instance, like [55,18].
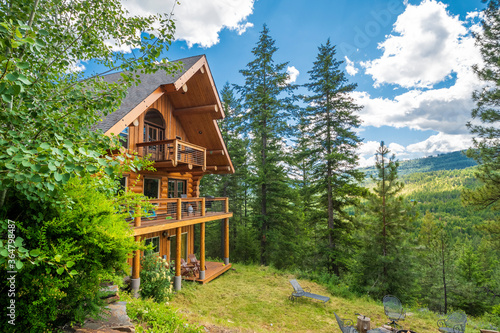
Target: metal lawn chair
[393,310]
[454,323]
[299,292]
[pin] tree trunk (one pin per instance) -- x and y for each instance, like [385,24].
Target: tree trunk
[444,278]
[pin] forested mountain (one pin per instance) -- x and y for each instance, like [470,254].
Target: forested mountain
[450,161]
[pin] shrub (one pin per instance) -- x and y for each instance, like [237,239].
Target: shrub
[82,241]
[156,278]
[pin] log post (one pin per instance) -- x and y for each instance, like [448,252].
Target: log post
[203,207]
[226,241]
[177,277]
[227,205]
[179,209]
[202,249]
[135,282]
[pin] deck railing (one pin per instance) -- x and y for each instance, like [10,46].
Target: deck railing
[173,151]
[182,208]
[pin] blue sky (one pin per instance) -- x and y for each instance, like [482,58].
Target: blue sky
[410,59]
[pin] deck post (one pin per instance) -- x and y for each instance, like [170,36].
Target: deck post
[226,240]
[202,249]
[177,277]
[179,209]
[135,282]
[203,203]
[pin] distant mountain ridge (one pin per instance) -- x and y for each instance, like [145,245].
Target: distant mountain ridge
[449,161]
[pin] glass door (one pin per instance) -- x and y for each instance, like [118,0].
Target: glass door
[173,246]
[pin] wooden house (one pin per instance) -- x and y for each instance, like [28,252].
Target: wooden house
[173,121]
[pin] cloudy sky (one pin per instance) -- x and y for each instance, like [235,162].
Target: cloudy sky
[411,59]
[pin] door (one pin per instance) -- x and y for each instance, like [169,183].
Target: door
[173,246]
[176,188]
[153,133]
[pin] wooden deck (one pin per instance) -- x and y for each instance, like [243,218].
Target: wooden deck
[160,224]
[214,269]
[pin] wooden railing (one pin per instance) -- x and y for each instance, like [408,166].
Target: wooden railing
[181,208]
[173,152]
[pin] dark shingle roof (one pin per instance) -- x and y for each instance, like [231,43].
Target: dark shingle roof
[136,94]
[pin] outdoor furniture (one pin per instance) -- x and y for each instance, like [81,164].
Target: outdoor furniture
[346,326]
[454,323]
[393,310]
[299,292]
[187,269]
[192,259]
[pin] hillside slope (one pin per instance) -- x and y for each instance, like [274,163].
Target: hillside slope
[450,161]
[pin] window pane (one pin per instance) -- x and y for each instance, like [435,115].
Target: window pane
[156,243]
[123,137]
[151,187]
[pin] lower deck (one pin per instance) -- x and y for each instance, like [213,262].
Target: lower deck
[212,271]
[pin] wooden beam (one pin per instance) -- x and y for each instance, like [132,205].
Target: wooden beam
[179,209]
[166,164]
[202,247]
[196,110]
[136,263]
[143,230]
[216,152]
[211,168]
[178,244]
[226,239]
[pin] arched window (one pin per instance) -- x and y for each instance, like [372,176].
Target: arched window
[154,126]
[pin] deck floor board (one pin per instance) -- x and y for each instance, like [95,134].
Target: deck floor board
[214,269]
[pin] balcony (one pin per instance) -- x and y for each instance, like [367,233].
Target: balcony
[179,212]
[174,153]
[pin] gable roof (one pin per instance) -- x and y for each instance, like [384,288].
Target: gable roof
[137,94]
[204,131]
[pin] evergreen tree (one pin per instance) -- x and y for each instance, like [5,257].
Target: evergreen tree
[436,257]
[332,121]
[386,262]
[486,116]
[266,98]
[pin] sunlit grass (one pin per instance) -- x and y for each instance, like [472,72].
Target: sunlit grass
[255,299]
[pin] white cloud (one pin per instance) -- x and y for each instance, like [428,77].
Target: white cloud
[293,73]
[427,46]
[76,66]
[199,21]
[349,67]
[441,143]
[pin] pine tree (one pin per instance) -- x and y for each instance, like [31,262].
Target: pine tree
[486,116]
[436,258]
[331,119]
[265,95]
[386,262]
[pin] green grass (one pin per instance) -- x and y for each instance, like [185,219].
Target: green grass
[255,299]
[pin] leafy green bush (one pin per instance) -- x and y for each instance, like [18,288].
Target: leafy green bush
[158,317]
[82,242]
[156,278]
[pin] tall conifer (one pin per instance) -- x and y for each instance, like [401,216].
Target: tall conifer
[332,120]
[267,103]
[486,117]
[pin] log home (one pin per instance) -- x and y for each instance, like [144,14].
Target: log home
[173,121]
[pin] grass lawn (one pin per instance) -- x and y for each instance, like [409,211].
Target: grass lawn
[255,299]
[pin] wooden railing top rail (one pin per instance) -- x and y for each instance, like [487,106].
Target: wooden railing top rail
[186,199]
[175,141]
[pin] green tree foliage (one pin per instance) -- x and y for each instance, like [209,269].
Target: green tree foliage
[265,97]
[436,257]
[156,276]
[81,242]
[386,261]
[486,117]
[69,237]
[48,110]
[331,122]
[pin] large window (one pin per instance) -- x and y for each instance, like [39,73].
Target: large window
[176,188]
[156,244]
[152,188]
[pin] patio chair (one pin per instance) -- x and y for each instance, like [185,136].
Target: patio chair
[393,310]
[188,270]
[299,292]
[192,259]
[347,326]
[454,323]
